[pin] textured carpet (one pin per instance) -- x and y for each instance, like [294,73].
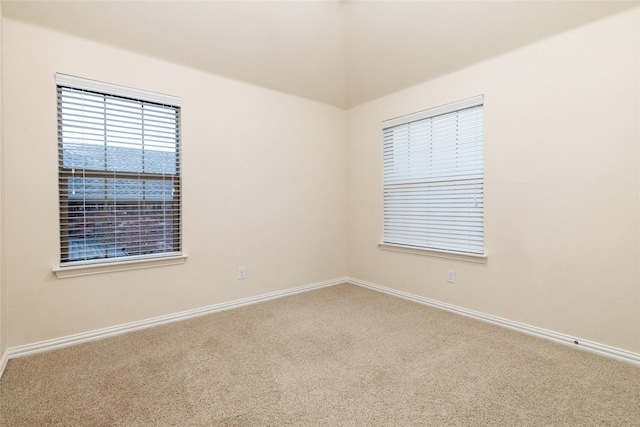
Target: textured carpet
[341,355]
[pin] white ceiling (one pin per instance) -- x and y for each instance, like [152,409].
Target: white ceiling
[341,53]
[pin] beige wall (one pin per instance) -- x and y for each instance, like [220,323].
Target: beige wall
[3,323]
[264,187]
[561,183]
[291,189]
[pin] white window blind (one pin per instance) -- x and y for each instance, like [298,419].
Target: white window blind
[433,179]
[119,172]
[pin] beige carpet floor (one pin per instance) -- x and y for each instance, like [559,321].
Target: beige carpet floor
[337,356]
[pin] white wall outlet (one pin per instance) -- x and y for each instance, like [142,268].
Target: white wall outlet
[451,275]
[242,273]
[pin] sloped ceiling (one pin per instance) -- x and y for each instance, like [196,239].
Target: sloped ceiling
[341,53]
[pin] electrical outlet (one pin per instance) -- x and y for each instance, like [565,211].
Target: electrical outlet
[242,273]
[451,275]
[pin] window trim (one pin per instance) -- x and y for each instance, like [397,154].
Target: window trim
[98,267]
[105,265]
[117,90]
[435,111]
[458,256]
[478,258]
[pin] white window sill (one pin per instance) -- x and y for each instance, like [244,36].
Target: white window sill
[478,259]
[135,264]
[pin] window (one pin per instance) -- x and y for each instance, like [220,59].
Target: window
[119,172]
[433,179]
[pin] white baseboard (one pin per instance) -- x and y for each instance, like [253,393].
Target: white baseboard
[84,337]
[53,344]
[592,347]
[3,362]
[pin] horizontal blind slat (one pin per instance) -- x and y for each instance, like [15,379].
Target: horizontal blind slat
[433,181]
[137,210]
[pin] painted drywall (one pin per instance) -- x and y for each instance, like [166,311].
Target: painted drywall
[3,323]
[267,175]
[562,132]
[264,179]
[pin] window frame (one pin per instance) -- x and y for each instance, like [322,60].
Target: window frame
[425,250]
[71,268]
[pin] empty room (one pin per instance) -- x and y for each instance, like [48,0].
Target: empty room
[352,213]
